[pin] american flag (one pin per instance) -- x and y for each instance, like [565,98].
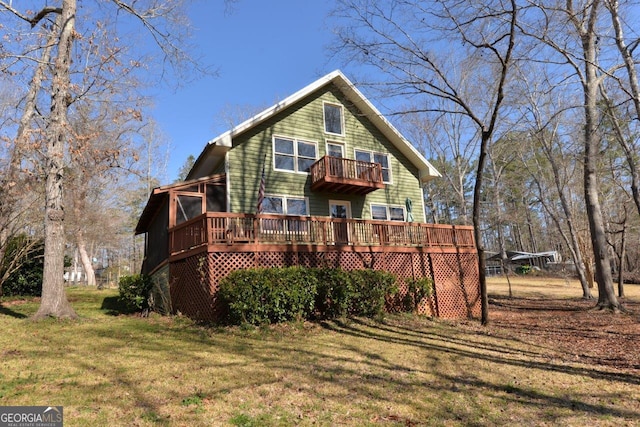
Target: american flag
[261,191]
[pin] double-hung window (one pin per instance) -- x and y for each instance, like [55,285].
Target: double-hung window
[374,157]
[333,119]
[387,212]
[294,155]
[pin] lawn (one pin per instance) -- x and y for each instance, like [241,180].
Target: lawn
[534,365]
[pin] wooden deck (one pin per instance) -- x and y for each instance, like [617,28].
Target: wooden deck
[229,230]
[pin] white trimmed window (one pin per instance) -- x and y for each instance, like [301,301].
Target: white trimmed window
[375,157]
[333,118]
[290,154]
[335,149]
[285,205]
[387,212]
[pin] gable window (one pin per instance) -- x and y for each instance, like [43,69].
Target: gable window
[294,155]
[333,119]
[387,213]
[373,157]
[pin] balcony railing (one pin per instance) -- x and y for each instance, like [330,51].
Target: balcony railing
[229,229]
[347,176]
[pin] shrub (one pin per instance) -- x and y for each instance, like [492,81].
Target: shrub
[334,292]
[269,295]
[272,295]
[134,292]
[369,289]
[417,290]
[24,259]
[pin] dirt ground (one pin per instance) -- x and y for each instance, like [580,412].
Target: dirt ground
[569,325]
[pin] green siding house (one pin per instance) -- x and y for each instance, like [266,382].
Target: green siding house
[321,178]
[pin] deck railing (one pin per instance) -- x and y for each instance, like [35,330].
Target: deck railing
[230,228]
[337,170]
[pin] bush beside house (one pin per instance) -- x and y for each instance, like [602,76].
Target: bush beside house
[134,292]
[272,295]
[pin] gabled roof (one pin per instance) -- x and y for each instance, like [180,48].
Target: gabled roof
[222,143]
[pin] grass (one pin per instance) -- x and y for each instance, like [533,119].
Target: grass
[108,369]
[547,287]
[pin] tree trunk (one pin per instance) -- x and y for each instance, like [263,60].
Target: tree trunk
[574,243]
[504,259]
[606,295]
[632,73]
[477,199]
[87,265]
[8,182]
[54,301]
[623,250]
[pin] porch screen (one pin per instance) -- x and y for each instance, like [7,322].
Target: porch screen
[188,207]
[216,199]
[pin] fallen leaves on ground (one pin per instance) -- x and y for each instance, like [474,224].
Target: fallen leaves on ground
[572,329]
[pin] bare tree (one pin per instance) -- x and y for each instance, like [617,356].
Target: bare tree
[545,111]
[163,20]
[572,30]
[399,39]
[632,89]
[100,149]
[447,144]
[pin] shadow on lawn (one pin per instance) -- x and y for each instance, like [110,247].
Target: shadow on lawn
[541,304]
[258,363]
[496,354]
[8,312]
[112,306]
[465,348]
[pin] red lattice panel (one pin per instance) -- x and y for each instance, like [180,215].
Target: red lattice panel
[276,259]
[456,285]
[408,266]
[422,268]
[190,288]
[311,259]
[399,264]
[194,280]
[223,263]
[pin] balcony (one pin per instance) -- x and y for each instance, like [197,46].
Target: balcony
[346,176]
[228,231]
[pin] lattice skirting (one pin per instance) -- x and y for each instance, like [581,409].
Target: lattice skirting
[194,280]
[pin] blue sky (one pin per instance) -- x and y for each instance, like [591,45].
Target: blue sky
[264,51]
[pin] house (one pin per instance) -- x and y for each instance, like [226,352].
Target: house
[515,260]
[319,179]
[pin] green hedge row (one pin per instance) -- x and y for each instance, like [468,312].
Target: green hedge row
[273,295]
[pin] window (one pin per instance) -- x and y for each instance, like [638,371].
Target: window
[285,205]
[373,157]
[335,149]
[274,205]
[187,207]
[333,122]
[294,155]
[387,213]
